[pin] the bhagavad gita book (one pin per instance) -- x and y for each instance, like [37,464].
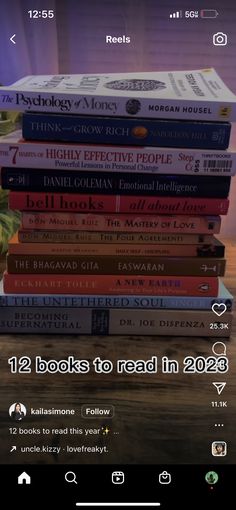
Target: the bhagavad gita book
[108,265]
[196,95]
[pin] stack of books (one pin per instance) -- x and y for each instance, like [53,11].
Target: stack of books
[121,181]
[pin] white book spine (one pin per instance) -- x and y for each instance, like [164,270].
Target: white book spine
[16,153]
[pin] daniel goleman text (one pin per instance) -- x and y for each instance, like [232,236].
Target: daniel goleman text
[106,183]
[71,365]
[90,103]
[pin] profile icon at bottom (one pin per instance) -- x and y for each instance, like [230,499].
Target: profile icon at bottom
[211,477]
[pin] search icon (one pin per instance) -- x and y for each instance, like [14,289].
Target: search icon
[219,349]
[70,477]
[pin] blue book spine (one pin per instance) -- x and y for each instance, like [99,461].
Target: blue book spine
[126,131]
[107,302]
[107,183]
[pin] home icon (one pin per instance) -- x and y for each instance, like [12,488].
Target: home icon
[24,479]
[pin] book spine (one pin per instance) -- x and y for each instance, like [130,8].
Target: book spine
[101,284]
[107,265]
[139,250]
[69,181]
[122,223]
[116,204]
[146,107]
[125,131]
[57,236]
[35,155]
[114,322]
[111,301]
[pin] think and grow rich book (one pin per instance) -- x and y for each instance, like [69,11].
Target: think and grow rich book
[16,152]
[111,265]
[75,202]
[119,301]
[188,95]
[69,181]
[125,131]
[114,322]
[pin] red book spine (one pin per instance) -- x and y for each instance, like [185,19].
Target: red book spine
[110,284]
[121,223]
[33,201]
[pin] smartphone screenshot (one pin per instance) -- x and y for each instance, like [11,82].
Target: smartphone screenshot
[117,253]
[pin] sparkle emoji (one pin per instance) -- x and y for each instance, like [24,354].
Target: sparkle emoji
[105,431]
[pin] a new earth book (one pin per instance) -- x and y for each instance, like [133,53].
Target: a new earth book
[194,95]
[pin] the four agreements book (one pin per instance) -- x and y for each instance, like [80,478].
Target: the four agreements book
[194,95]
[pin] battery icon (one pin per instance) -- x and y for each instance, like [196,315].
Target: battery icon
[208,13]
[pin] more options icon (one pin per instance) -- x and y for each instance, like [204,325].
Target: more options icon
[118,477]
[164,478]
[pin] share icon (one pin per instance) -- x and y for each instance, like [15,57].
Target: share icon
[219,386]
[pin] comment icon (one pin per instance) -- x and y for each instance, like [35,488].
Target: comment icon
[219,349]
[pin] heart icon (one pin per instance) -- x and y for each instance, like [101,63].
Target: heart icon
[219,308]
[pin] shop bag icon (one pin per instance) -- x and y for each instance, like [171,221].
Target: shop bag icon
[164,478]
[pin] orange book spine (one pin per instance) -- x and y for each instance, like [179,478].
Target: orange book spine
[145,250]
[110,284]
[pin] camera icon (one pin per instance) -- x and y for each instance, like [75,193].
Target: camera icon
[220,39]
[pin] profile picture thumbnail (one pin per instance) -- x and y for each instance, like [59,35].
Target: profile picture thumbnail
[219,448]
[17,411]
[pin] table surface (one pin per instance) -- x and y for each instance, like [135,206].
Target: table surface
[159,418]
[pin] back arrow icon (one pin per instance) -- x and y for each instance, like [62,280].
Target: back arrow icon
[12,38]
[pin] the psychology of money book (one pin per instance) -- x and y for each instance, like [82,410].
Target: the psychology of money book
[195,95]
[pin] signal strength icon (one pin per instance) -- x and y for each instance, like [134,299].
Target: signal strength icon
[177,14]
